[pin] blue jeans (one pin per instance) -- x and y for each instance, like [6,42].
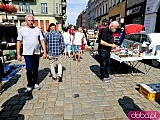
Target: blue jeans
[32,64]
[104,63]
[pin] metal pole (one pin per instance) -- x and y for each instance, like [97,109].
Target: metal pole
[6,17]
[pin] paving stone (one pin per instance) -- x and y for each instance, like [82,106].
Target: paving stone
[48,105]
[68,114]
[88,116]
[48,117]
[35,117]
[77,117]
[110,115]
[68,106]
[59,110]
[39,112]
[38,105]
[99,116]
[28,106]
[49,111]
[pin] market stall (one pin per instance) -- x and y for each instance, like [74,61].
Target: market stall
[132,57]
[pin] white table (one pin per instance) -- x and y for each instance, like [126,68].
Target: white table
[134,62]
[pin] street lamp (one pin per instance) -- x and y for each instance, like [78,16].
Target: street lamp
[63,10]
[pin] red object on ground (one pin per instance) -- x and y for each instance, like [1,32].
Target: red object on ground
[82,47]
[133,28]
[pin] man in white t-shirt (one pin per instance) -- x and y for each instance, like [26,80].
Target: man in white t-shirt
[77,42]
[67,41]
[31,37]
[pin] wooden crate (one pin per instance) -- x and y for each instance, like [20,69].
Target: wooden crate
[150,91]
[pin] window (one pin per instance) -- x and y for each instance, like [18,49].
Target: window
[100,11]
[103,10]
[97,13]
[127,36]
[135,37]
[44,8]
[114,2]
[57,12]
[110,3]
[145,39]
[27,7]
[21,9]
[106,8]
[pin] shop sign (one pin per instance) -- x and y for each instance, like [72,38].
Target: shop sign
[134,10]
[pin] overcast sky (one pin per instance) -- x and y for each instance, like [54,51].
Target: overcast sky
[74,8]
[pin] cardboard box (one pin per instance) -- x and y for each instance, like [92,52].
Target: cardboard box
[150,91]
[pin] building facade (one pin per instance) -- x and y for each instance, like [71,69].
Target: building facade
[101,12]
[105,11]
[83,18]
[90,14]
[117,11]
[152,16]
[44,11]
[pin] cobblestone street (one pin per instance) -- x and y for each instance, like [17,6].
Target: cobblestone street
[81,95]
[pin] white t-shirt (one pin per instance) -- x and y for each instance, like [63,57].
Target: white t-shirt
[67,38]
[78,38]
[31,40]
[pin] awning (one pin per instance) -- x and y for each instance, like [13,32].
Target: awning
[133,28]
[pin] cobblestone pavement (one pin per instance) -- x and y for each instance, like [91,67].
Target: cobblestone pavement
[81,95]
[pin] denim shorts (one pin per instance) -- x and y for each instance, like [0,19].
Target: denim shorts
[78,48]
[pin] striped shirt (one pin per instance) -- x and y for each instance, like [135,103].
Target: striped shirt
[55,43]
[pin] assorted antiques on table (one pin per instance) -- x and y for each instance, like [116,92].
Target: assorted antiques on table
[132,51]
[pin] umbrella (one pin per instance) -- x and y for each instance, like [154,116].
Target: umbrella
[133,28]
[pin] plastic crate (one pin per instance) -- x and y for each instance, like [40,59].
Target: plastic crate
[150,91]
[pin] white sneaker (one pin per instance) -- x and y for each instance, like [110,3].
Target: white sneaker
[29,89]
[36,86]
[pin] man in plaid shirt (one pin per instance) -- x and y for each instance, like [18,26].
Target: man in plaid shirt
[55,48]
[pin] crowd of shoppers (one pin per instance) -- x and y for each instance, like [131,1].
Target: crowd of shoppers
[56,45]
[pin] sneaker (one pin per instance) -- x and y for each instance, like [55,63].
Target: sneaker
[36,86]
[29,89]
[59,79]
[106,79]
[54,78]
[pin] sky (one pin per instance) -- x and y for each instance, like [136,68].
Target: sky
[74,8]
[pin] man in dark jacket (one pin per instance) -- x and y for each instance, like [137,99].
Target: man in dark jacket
[104,48]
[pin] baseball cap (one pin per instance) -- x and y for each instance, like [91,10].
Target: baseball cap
[52,24]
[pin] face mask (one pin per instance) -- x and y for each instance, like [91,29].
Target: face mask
[114,30]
